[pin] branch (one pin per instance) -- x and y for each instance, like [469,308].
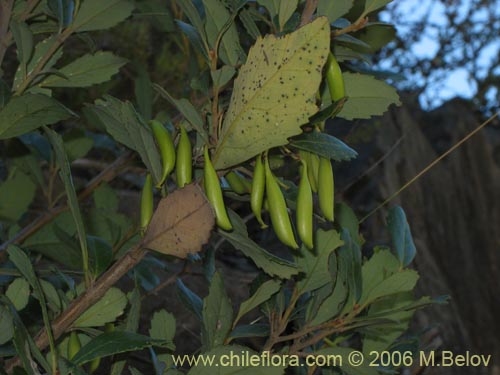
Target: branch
[106,175]
[5,14]
[5,35]
[356,26]
[308,11]
[87,299]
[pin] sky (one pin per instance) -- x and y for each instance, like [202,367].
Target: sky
[457,81]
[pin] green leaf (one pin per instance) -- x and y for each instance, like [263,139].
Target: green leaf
[23,264]
[315,264]
[163,326]
[325,145]
[51,296]
[383,277]
[185,107]
[63,10]
[332,305]
[66,177]
[222,76]
[24,42]
[274,93]
[23,343]
[131,325]
[269,263]
[100,255]
[77,144]
[19,293]
[16,195]
[88,70]
[237,369]
[99,15]
[191,12]
[194,37]
[106,198]
[41,49]
[367,96]
[250,330]
[47,242]
[249,23]
[125,125]
[272,6]
[106,310]
[116,342]
[287,8]
[346,218]
[6,325]
[402,239]
[190,299]
[28,112]
[380,338]
[350,257]
[372,5]
[217,20]
[376,36]
[261,295]
[334,9]
[217,314]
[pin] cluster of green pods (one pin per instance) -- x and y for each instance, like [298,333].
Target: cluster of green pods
[265,193]
[179,159]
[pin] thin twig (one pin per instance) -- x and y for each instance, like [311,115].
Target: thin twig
[85,300]
[374,165]
[308,11]
[353,27]
[5,15]
[428,167]
[106,175]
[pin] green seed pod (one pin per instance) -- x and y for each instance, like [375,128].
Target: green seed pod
[278,210]
[214,193]
[74,345]
[305,209]
[167,149]
[326,188]
[258,188]
[94,364]
[239,184]
[334,78]
[184,160]
[312,161]
[146,202]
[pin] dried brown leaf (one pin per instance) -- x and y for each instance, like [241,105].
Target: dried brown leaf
[181,224]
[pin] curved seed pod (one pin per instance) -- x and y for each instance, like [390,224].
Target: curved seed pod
[278,210]
[74,345]
[214,193]
[146,202]
[326,188]
[240,185]
[94,364]
[334,78]
[305,209]
[312,161]
[258,188]
[184,160]
[167,149]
